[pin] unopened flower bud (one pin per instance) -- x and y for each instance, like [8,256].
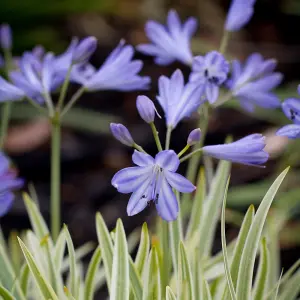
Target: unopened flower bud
[194,137]
[5,36]
[84,50]
[122,134]
[145,108]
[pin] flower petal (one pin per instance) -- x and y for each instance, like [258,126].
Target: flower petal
[168,160]
[6,201]
[292,131]
[166,203]
[129,179]
[142,159]
[178,182]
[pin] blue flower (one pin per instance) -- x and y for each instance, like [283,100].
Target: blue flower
[239,14]
[171,42]
[8,183]
[5,37]
[177,99]
[118,72]
[253,82]
[122,134]
[34,79]
[153,180]
[291,108]
[210,71]
[146,108]
[246,151]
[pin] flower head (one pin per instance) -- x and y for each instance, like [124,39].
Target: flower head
[194,137]
[247,151]
[146,108]
[252,83]
[84,50]
[122,134]
[210,71]
[291,108]
[152,180]
[171,42]
[118,72]
[5,36]
[177,99]
[9,182]
[239,14]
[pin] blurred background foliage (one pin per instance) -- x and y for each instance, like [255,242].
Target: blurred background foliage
[90,156]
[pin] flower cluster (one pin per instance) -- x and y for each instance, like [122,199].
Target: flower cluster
[9,183]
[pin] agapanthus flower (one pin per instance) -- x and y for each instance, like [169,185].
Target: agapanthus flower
[146,108]
[152,180]
[239,14]
[170,42]
[253,82]
[291,108]
[5,37]
[8,184]
[194,137]
[122,134]
[177,99]
[118,72]
[210,71]
[33,80]
[246,151]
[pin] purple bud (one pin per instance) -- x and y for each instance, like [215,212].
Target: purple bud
[84,50]
[122,134]
[5,36]
[145,108]
[194,137]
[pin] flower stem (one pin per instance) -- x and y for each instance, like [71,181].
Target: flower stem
[55,176]
[73,100]
[186,148]
[197,151]
[168,137]
[64,89]
[224,42]
[5,116]
[156,137]
[139,148]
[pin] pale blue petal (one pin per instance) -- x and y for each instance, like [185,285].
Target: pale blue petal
[178,182]
[168,160]
[142,159]
[6,201]
[291,131]
[291,108]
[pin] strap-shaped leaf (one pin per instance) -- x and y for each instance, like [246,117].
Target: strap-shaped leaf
[143,251]
[169,294]
[246,268]
[89,286]
[5,294]
[120,284]
[292,288]
[44,286]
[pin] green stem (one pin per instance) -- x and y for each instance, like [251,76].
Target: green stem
[156,137]
[5,116]
[168,138]
[139,148]
[55,176]
[64,89]
[73,100]
[224,42]
[192,154]
[186,148]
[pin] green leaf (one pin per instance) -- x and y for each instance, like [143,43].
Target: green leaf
[196,211]
[169,294]
[176,235]
[24,278]
[120,287]
[41,281]
[59,250]
[224,249]
[106,247]
[185,282]
[72,263]
[152,286]
[36,219]
[261,280]
[277,287]
[89,286]
[135,280]
[207,293]
[292,288]
[211,209]
[5,294]
[143,250]
[246,268]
